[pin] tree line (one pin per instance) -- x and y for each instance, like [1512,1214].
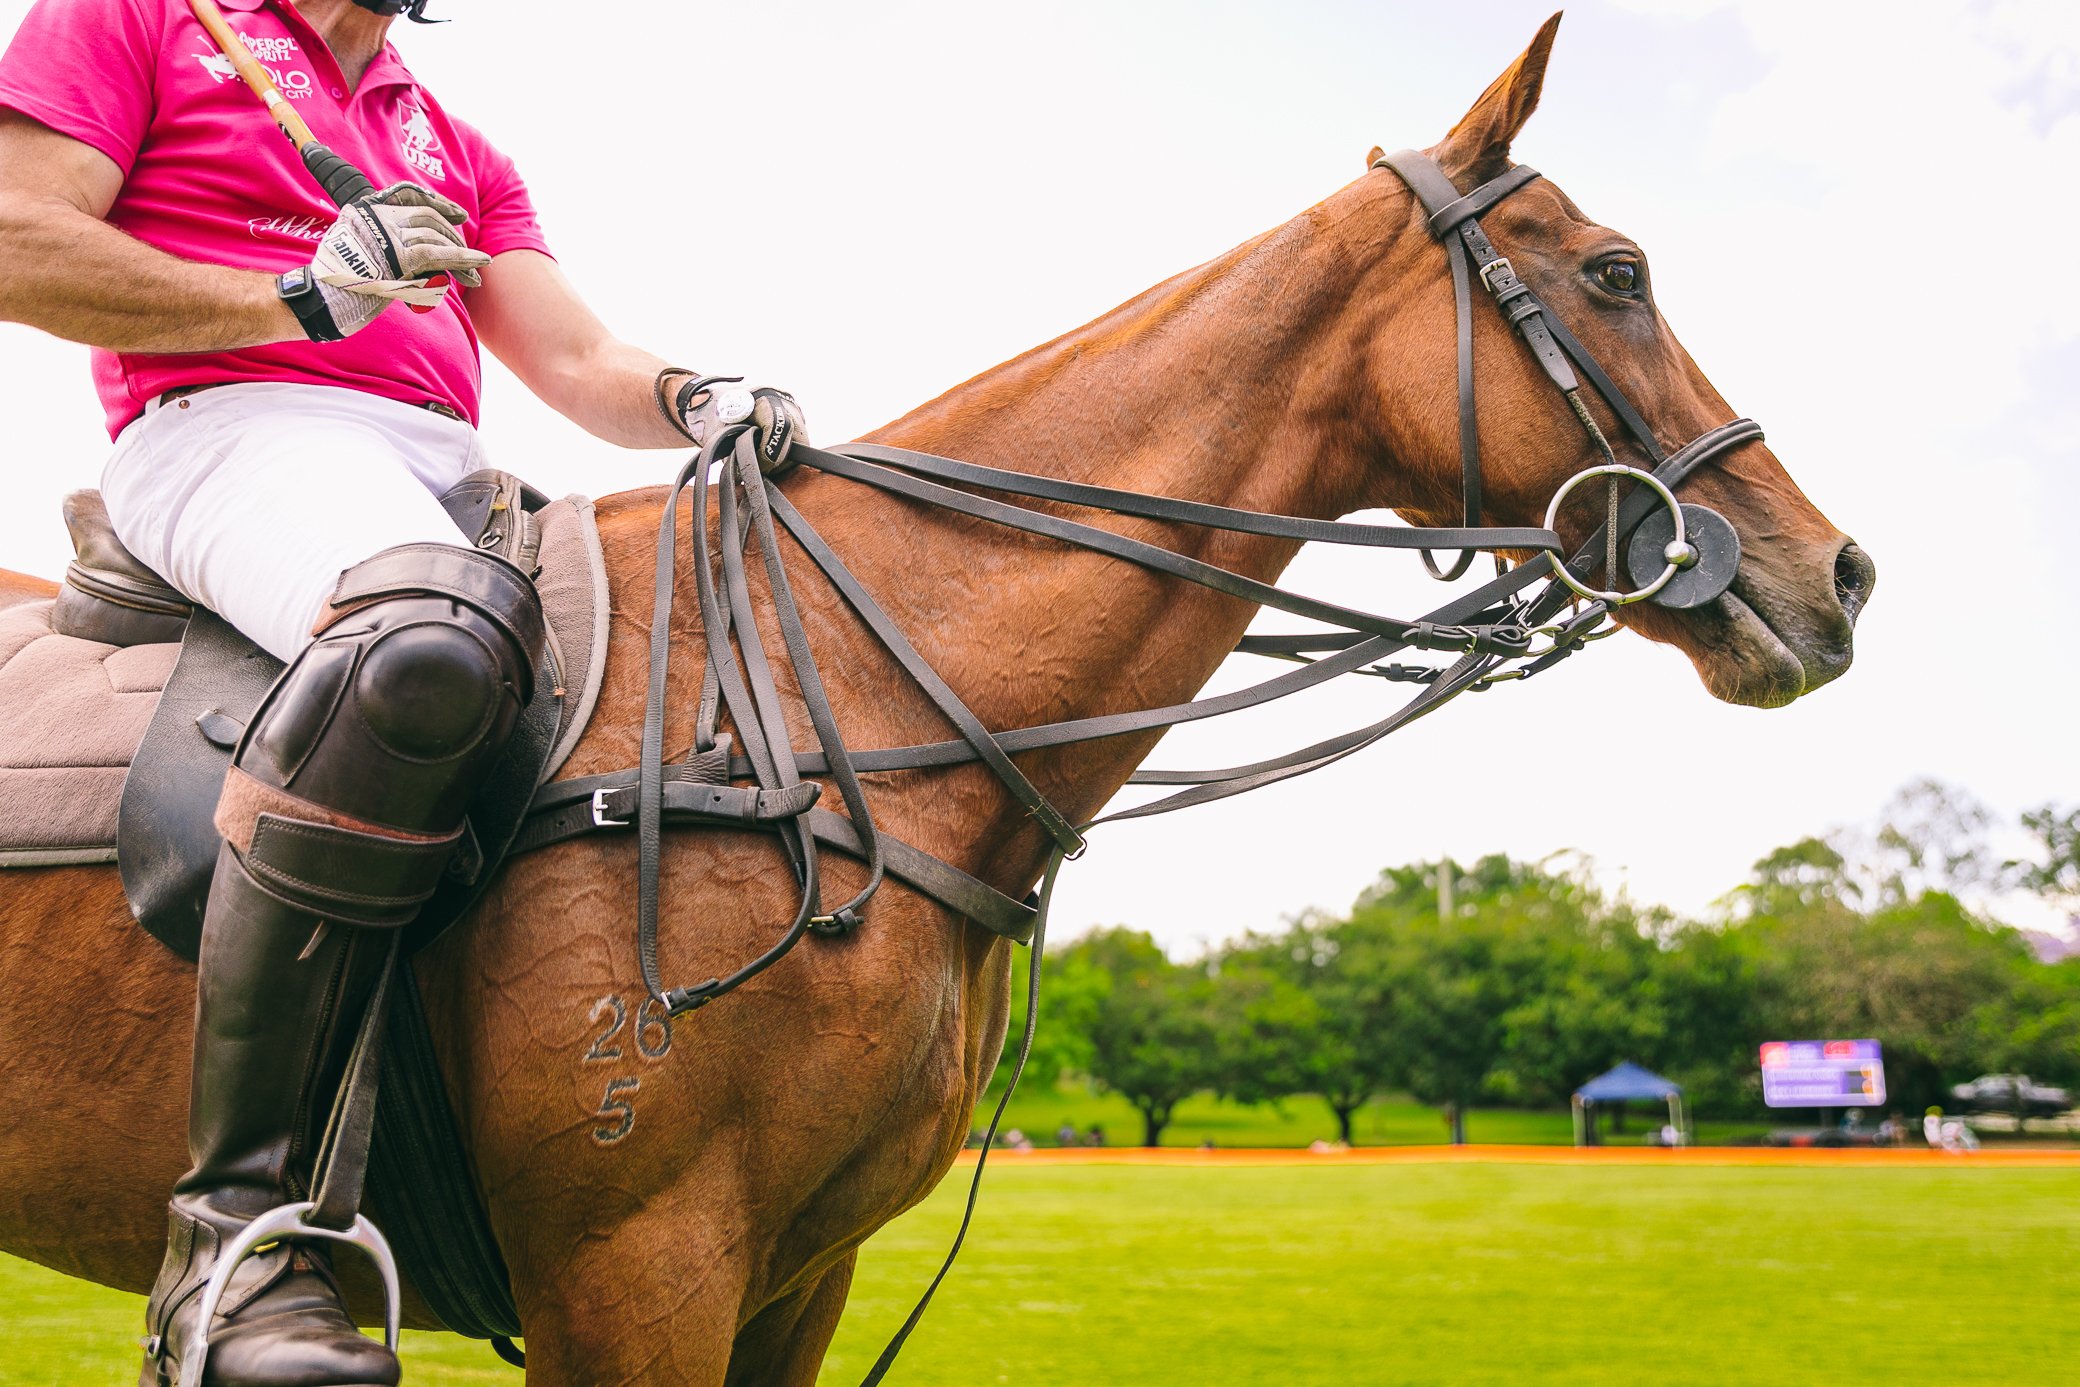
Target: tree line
[1511,983]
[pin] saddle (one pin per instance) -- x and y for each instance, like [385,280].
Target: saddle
[126,702]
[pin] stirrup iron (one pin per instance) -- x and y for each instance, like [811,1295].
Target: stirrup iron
[290,1223]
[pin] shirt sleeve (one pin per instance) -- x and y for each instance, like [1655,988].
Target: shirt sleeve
[85,68]
[506,219]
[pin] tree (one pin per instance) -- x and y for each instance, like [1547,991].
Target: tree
[2057,876]
[1299,1015]
[1442,983]
[2035,1029]
[1923,977]
[1152,1038]
[1071,987]
[1796,879]
[1532,982]
[1931,838]
[1711,985]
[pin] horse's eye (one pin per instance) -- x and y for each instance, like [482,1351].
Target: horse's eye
[1620,276]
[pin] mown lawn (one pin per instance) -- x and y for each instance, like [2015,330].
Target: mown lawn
[1416,1274]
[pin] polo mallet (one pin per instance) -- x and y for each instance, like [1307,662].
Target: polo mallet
[342,182]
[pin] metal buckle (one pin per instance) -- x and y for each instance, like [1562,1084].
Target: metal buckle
[291,1222]
[600,817]
[1499,265]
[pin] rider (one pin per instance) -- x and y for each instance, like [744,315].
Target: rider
[282,431]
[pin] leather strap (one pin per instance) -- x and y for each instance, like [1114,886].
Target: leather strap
[293,849]
[1454,221]
[949,704]
[1447,217]
[1135,551]
[1450,212]
[341,1168]
[1178,512]
[565,810]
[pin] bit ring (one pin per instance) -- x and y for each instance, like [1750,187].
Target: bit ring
[1614,597]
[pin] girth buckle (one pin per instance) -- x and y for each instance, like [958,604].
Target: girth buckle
[601,817]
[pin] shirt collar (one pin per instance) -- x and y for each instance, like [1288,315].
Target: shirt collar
[388,70]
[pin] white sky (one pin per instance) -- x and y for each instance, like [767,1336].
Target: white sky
[1860,217]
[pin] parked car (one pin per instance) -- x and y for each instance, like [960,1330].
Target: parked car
[2012,1093]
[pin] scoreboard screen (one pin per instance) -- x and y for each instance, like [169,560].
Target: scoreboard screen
[1823,1074]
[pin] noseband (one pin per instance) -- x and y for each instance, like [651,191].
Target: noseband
[1692,548]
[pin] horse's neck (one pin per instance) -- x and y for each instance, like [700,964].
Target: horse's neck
[1243,383]
[1198,388]
[1234,384]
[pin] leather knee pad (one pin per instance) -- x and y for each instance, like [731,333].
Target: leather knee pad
[409,693]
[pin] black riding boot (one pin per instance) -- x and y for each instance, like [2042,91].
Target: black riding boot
[344,803]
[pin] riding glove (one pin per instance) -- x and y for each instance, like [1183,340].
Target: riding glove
[707,403]
[385,247]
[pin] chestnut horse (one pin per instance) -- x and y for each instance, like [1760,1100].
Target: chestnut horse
[689,1213]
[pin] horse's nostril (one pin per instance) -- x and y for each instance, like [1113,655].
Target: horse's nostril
[1854,577]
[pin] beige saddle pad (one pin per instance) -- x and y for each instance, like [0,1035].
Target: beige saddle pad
[71,715]
[73,711]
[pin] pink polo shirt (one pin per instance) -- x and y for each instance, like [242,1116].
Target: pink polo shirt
[207,177]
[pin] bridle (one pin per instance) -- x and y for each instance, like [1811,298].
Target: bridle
[1507,628]
[1698,550]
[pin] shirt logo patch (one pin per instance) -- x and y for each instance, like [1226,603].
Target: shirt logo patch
[422,147]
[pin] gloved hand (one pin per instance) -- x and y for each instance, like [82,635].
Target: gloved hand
[704,404]
[385,247]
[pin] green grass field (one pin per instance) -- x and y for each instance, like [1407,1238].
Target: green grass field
[1418,1274]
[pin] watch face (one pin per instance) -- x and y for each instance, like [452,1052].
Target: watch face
[297,281]
[733,405]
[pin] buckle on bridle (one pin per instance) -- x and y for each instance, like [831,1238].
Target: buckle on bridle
[1499,265]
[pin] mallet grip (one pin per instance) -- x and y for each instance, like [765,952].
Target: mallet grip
[342,182]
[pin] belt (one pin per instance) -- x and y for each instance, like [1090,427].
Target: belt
[440,407]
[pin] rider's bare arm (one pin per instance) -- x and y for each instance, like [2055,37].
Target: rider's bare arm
[532,319]
[70,273]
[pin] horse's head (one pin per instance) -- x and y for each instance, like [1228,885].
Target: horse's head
[1784,626]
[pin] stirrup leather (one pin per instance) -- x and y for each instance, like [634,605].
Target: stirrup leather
[291,1222]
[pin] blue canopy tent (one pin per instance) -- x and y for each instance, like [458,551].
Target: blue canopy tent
[1627,1083]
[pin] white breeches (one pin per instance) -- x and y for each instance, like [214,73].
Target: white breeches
[252,499]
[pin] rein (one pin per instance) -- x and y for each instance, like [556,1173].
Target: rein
[1508,628]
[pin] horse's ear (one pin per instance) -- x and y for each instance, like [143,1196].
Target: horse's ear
[1478,147]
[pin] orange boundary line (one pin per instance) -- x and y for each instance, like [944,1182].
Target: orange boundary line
[1839,1157]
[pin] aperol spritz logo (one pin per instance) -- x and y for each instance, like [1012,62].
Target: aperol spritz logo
[277,55]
